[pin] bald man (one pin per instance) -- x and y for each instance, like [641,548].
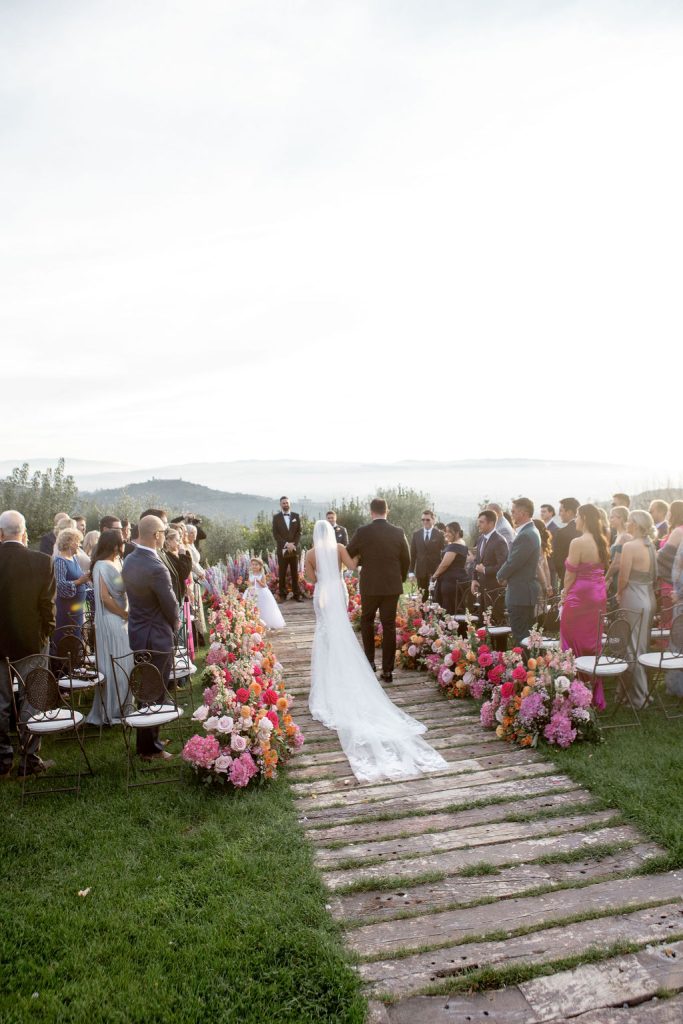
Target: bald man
[153,615]
[27,617]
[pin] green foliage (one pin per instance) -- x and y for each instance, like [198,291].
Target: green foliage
[351,514]
[39,496]
[224,537]
[406,506]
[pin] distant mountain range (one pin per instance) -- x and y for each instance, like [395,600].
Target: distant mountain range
[182,496]
[241,489]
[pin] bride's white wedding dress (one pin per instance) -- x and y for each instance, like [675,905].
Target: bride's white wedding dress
[379,740]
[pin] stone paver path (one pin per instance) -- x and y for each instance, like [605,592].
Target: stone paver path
[499,861]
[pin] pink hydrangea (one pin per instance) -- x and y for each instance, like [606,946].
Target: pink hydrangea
[559,730]
[297,740]
[531,708]
[486,715]
[580,695]
[477,688]
[242,770]
[201,751]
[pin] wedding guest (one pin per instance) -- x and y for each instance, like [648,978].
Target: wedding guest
[441,527]
[111,626]
[161,514]
[543,571]
[565,535]
[584,597]
[489,557]
[27,617]
[72,585]
[450,575]
[287,535]
[180,561]
[668,549]
[80,523]
[502,525]
[198,577]
[64,524]
[90,543]
[425,551]
[621,500]
[47,541]
[674,679]
[519,570]
[617,521]
[153,616]
[635,591]
[547,513]
[659,510]
[340,532]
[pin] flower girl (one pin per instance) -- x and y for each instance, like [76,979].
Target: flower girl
[270,614]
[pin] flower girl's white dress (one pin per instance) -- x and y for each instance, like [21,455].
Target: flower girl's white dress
[269,612]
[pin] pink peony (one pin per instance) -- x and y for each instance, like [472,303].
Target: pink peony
[270,696]
[485,659]
[519,673]
[507,690]
[481,633]
[201,751]
[242,695]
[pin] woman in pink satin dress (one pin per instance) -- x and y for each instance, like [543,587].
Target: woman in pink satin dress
[584,598]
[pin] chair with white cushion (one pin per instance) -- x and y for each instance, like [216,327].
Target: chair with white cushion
[663,661]
[50,715]
[77,674]
[618,634]
[156,705]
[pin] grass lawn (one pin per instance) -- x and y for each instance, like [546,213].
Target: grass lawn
[203,905]
[640,771]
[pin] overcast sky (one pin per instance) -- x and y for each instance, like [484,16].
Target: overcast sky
[353,230]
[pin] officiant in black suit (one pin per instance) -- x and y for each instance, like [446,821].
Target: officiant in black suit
[384,562]
[340,532]
[426,546]
[287,534]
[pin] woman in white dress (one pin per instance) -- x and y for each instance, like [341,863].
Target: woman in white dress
[269,612]
[379,740]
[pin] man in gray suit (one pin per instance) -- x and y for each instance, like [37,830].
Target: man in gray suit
[519,571]
[153,615]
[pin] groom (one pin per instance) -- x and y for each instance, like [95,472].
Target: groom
[384,560]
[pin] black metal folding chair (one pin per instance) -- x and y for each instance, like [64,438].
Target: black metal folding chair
[156,704]
[658,663]
[616,645]
[50,714]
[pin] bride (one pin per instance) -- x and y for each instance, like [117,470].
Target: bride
[379,740]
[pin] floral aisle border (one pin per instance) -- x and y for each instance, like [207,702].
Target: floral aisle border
[246,711]
[526,696]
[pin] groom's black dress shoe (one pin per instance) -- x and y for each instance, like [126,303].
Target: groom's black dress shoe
[386,677]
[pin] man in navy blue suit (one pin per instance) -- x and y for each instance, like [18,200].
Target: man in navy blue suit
[519,570]
[153,615]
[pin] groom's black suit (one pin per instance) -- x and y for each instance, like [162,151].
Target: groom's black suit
[384,560]
[285,534]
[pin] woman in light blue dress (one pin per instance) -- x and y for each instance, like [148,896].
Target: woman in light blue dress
[111,629]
